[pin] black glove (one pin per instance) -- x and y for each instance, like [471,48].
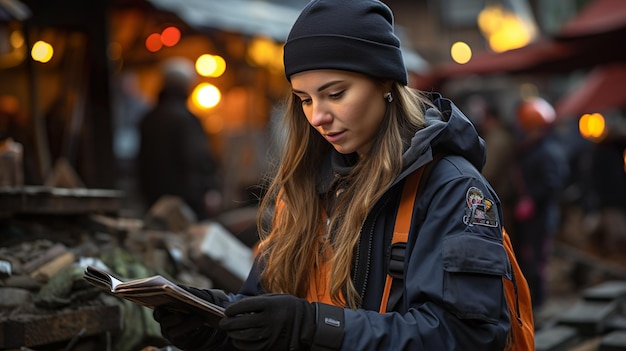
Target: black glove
[270,322]
[188,330]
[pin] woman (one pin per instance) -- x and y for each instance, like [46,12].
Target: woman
[355,131]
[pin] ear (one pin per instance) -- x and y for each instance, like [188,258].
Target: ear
[387,84]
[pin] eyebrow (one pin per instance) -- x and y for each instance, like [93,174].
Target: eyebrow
[321,88]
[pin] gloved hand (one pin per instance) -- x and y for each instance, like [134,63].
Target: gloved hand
[270,322]
[188,330]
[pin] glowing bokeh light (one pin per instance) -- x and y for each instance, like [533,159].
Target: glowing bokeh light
[512,34]
[592,126]
[210,65]
[206,96]
[16,39]
[153,42]
[42,51]
[503,29]
[461,52]
[170,36]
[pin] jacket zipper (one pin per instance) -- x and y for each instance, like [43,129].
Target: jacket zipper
[357,258]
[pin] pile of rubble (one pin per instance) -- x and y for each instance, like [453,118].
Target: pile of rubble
[594,322]
[45,304]
[586,308]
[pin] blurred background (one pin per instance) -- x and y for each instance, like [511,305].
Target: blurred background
[84,72]
[76,78]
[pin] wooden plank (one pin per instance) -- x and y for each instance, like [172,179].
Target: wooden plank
[37,330]
[51,253]
[53,267]
[47,200]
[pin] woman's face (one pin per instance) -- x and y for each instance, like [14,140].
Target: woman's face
[345,108]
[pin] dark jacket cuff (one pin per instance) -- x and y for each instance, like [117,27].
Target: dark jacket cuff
[330,327]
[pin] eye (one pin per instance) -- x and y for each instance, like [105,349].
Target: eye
[337,95]
[304,99]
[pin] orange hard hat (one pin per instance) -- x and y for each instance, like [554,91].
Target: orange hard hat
[535,113]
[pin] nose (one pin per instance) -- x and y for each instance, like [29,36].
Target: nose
[320,114]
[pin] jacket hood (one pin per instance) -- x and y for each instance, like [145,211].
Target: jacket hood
[447,131]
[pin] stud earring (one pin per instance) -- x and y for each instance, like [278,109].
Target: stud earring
[389,97]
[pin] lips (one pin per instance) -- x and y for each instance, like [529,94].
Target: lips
[334,136]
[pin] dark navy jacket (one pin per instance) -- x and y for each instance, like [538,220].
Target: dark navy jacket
[453,296]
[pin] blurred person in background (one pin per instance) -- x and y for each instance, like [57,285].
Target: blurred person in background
[11,150]
[606,196]
[175,157]
[540,174]
[130,108]
[500,142]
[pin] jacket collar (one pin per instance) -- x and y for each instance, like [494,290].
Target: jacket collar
[334,167]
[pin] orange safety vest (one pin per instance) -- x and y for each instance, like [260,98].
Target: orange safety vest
[319,277]
[319,282]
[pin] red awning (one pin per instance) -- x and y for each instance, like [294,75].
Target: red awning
[594,37]
[600,16]
[531,57]
[602,89]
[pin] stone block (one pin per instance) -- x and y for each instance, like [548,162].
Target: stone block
[44,329]
[617,322]
[614,341]
[607,291]
[589,317]
[556,338]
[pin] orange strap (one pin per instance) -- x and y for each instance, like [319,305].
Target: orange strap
[402,224]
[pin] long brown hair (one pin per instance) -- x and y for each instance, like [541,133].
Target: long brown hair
[290,242]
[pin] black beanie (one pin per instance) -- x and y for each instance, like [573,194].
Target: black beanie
[351,35]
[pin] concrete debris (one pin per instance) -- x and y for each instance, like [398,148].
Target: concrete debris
[45,303]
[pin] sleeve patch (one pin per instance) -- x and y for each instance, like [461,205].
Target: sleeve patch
[479,211]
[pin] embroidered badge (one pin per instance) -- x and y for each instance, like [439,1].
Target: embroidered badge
[479,210]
